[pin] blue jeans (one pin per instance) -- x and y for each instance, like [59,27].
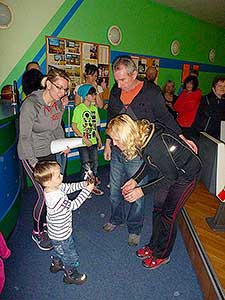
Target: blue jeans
[61,160]
[66,252]
[120,171]
[89,157]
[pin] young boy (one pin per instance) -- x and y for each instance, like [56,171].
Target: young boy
[59,218]
[84,124]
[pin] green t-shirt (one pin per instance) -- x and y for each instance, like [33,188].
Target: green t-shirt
[86,119]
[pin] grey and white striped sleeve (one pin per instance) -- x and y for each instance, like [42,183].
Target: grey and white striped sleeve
[69,188]
[83,195]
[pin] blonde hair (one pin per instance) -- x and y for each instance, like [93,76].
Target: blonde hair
[133,135]
[165,85]
[53,75]
[43,171]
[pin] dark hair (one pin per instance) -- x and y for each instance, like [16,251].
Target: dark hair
[30,63]
[31,81]
[193,79]
[217,79]
[92,91]
[90,69]
[194,72]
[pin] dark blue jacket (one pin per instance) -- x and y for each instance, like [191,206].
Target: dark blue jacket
[210,113]
[170,157]
[148,104]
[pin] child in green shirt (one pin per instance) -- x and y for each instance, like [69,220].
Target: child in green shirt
[84,124]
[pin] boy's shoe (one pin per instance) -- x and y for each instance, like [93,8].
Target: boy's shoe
[74,277]
[152,263]
[56,265]
[97,191]
[109,227]
[108,185]
[144,252]
[42,240]
[133,239]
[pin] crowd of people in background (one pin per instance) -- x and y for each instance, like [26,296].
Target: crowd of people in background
[193,111]
[144,122]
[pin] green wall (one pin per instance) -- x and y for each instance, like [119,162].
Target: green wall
[147,28]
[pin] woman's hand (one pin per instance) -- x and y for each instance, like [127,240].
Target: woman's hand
[128,186]
[190,143]
[134,195]
[107,150]
[66,152]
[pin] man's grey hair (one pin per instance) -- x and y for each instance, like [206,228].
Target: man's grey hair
[124,61]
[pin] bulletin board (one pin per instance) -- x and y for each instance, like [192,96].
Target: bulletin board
[72,56]
[143,63]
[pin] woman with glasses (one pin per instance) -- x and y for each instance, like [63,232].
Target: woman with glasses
[91,76]
[40,124]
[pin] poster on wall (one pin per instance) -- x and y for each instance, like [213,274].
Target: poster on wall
[72,56]
[188,70]
[143,63]
[185,71]
[195,69]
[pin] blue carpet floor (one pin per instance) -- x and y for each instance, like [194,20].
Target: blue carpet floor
[114,272]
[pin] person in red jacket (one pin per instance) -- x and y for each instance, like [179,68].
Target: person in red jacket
[187,105]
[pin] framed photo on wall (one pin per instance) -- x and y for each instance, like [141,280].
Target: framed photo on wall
[72,56]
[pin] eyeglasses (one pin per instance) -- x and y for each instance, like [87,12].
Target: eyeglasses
[66,91]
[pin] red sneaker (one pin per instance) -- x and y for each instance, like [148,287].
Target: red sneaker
[144,252]
[152,263]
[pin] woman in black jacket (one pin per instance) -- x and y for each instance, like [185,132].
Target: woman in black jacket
[177,168]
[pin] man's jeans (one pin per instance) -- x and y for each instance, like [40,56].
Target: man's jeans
[66,252]
[120,171]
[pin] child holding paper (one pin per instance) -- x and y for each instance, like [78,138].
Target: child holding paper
[84,124]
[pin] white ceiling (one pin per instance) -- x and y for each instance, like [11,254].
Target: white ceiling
[210,11]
